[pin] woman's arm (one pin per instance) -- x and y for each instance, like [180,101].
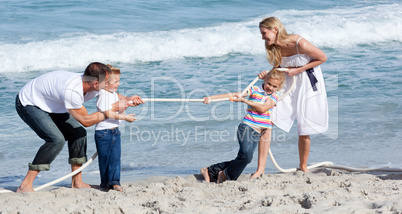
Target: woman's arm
[305,47]
[318,56]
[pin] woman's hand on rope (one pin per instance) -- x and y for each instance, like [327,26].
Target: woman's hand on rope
[292,71]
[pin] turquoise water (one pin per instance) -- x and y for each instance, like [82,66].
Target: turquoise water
[177,49]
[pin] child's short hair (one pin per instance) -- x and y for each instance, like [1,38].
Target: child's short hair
[276,74]
[115,71]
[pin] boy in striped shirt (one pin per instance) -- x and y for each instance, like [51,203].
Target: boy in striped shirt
[255,129]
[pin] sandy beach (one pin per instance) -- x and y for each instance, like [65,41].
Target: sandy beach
[320,191]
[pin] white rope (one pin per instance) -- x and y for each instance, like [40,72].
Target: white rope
[213,100]
[178,100]
[352,169]
[325,164]
[290,89]
[330,165]
[62,178]
[68,175]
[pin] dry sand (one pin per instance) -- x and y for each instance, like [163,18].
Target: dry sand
[320,191]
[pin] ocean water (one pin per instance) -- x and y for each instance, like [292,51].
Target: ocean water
[180,49]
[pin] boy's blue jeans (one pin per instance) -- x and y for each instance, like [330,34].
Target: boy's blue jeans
[55,129]
[108,145]
[248,140]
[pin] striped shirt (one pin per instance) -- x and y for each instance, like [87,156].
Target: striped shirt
[252,117]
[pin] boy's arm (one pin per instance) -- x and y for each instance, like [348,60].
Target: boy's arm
[136,100]
[121,97]
[124,103]
[116,116]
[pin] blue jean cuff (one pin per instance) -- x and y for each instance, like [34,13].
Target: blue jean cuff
[111,183]
[77,160]
[39,167]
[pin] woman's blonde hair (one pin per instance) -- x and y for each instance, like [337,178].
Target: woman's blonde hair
[274,54]
[276,74]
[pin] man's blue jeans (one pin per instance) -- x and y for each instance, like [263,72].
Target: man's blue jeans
[108,145]
[248,140]
[55,129]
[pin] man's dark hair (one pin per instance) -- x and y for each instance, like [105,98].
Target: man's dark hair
[96,71]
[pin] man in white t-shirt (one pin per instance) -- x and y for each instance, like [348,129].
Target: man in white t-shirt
[51,105]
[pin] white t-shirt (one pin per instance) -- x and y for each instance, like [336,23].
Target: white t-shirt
[55,92]
[104,103]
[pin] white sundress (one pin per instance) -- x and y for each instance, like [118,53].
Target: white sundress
[308,107]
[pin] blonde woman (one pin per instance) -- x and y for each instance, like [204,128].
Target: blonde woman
[307,102]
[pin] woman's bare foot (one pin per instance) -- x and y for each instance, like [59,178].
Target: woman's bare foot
[118,188]
[204,172]
[221,177]
[304,169]
[22,189]
[256,174]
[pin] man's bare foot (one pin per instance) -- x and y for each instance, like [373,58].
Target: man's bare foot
[22,189]
[80,185]
[26,184]
[204,172]
[256,174]
[221,177]
[118,188]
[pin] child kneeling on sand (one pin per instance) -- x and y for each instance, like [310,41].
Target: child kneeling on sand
[254,129]
[107,134]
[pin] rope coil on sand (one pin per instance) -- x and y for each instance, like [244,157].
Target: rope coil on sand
[326,164]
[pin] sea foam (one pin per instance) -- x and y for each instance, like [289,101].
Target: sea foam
[332,28]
